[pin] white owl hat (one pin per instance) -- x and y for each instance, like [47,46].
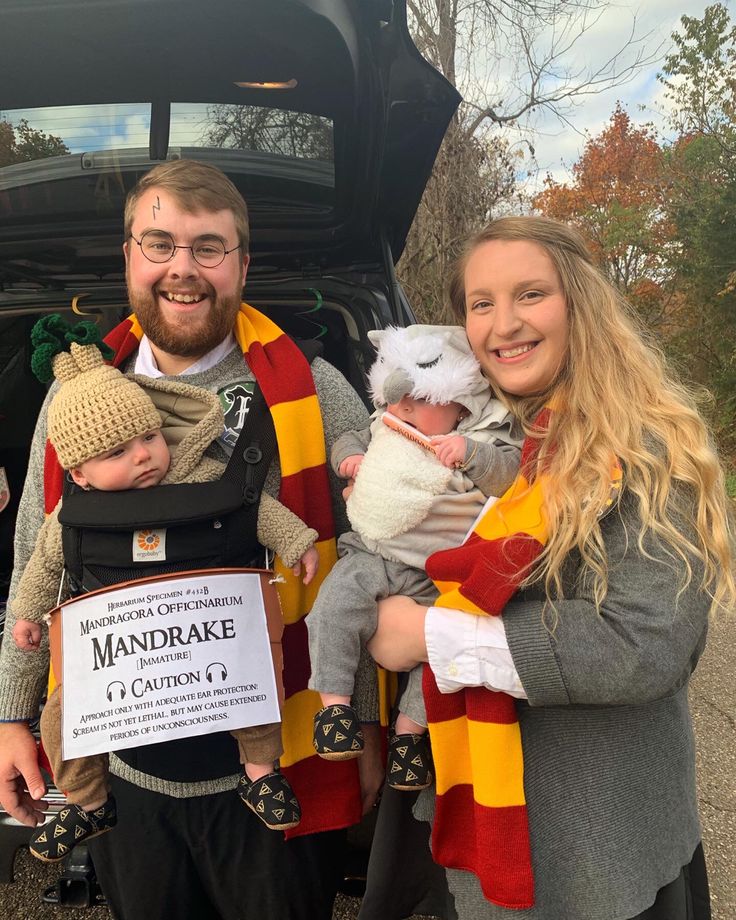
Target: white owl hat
[428,362]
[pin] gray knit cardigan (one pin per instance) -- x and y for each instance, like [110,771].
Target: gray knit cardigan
[609,756]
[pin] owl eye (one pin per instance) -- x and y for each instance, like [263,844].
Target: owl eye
[429,363]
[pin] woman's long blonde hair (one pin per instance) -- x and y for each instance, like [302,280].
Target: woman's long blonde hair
[617,398]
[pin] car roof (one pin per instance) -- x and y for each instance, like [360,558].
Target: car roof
[332,160]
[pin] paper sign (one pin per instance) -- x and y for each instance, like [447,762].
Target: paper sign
[165,659]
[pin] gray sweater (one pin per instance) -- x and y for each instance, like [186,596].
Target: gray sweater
[23,677]
[609,758]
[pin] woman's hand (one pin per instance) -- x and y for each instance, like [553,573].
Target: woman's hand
[398,643]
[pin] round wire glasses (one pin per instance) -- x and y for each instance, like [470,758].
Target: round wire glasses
[159,246]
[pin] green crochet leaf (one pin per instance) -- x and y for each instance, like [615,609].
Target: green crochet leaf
[52,334]
[49,339]
[50,329]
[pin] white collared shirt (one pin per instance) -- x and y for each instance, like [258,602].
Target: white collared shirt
[145,362]
[466,650]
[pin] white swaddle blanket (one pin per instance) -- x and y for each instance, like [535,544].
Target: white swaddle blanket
[395,486]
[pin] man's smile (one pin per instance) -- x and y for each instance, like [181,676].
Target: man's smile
[174,297]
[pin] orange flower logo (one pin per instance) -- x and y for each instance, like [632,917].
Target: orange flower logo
[148,541]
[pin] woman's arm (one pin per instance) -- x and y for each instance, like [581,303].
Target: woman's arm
[463,650]
[641,646]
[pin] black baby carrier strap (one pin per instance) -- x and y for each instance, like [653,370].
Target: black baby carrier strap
[201,525]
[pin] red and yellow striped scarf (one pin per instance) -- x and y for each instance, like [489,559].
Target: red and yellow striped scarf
[480,819]
[329,792]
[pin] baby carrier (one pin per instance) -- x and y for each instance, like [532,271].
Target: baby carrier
[207,525]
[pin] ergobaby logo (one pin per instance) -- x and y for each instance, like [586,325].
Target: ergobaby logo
[235,401]
[149,545]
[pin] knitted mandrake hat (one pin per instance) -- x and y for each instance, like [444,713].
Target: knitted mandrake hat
[96,407]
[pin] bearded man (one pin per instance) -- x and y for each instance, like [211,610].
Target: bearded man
[186,257]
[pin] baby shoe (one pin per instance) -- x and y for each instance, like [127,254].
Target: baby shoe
[409,762]
[272,799]
[337,733]
[71,826]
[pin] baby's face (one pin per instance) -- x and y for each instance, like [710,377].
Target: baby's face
[425,417]
[141,462]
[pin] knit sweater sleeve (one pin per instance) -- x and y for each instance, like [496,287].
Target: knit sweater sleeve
[38,588]
[491,467]
[282,531]
[23,677]
[350,444]
[641,646]
[342,411]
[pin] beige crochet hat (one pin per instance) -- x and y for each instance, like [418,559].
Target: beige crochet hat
[96,407]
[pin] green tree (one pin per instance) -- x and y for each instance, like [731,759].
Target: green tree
[700,80]
[701,84]
[22,143]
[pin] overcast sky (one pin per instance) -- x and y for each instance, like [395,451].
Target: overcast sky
[558,146]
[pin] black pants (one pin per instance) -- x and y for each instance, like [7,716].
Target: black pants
[687,898]
[210,858]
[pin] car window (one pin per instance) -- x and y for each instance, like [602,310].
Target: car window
[54,131]
[80,160]
[248,127]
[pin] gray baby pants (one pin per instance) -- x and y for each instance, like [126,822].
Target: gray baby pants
[345,616]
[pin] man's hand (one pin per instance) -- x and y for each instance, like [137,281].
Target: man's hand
[370,766]
[350,466]
[310,561]
[449,449]
[27,635]
[19,772]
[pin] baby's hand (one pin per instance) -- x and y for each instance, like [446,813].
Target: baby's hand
[350,466]
[449,449]
[27,635]
[310,561]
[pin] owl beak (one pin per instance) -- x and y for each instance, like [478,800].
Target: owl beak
[397,384]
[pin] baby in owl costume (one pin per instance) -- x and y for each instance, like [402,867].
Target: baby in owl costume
[438,446]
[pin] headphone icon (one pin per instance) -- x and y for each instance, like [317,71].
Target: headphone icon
[116,683]
[223,671]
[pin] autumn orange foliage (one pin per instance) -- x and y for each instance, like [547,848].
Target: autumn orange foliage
[617,198]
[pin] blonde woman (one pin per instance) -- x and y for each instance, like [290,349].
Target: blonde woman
[571,792]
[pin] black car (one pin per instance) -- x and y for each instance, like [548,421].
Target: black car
[322,112]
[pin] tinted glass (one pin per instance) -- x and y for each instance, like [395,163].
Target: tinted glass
[288,155]
[245,127]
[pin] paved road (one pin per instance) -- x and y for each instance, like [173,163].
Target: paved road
[713,701]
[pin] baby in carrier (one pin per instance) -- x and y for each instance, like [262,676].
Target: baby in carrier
[106,430]
[438,447]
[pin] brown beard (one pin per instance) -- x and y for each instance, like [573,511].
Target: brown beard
[190,341]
